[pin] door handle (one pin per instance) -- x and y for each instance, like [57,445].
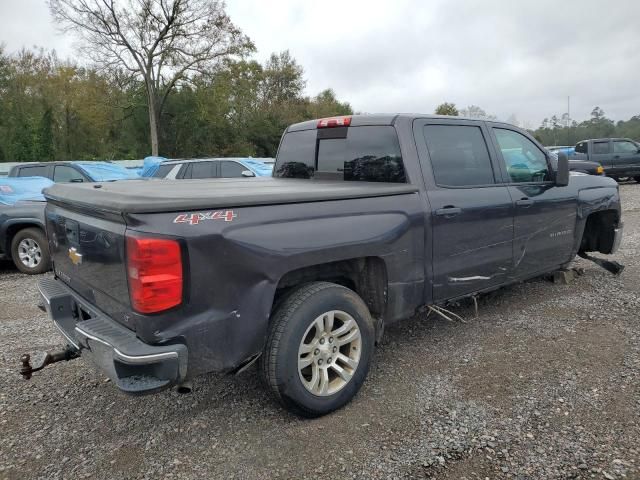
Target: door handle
[616,156]
[448,211]
[524,202]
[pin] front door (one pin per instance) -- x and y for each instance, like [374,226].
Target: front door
[471,210]
[545,215]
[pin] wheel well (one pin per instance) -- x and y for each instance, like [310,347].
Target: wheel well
[11,232]
[366,276]
[599,232]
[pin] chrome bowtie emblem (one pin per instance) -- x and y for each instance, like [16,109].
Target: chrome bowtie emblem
[74,256]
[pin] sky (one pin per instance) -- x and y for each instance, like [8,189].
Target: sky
[512,58]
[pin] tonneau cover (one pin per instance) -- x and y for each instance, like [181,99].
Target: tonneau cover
[156,196]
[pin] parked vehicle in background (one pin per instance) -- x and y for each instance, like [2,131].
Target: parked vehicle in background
[22,234]
[73,172]
[366,219]
[578,166]
[620,157]
[213,168]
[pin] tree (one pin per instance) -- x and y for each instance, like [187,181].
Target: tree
[447,108]
[473,111]
[163,43]
[597,114]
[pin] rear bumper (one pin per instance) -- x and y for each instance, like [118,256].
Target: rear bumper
[134,366]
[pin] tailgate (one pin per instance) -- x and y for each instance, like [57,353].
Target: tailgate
[88,253]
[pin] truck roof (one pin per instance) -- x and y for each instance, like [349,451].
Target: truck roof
[384,119]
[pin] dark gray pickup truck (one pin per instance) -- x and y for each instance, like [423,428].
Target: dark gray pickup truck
[367,219]
[620,157]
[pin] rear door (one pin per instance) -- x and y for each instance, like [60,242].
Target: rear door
[626,157]
[472,211]
[545,215]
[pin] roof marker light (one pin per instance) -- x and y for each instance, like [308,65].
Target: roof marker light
[334,122]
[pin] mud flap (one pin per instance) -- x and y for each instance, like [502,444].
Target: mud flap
[610,266]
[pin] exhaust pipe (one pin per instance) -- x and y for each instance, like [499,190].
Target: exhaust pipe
[185,387]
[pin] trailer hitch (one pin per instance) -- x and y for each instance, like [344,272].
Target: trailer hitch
[49,357]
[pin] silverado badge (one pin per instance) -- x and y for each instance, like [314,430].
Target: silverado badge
[74,256]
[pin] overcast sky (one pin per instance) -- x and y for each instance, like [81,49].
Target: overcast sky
[509,57]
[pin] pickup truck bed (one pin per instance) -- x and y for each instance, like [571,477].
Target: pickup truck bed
[153,196]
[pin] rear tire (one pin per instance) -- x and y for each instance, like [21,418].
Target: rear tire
[319,348]
[637,179]
[30,251]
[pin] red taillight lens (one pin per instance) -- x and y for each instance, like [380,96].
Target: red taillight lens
[154,268]
[334,122]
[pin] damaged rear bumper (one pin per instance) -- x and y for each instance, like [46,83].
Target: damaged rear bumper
[134,366]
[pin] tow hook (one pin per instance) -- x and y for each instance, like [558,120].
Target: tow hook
[49,357]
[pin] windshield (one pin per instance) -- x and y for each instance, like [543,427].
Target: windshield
[106,172]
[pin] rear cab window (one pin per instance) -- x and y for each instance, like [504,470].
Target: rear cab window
[368,153]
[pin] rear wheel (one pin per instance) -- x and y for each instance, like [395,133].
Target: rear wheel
[319,349]
[30,252]
[637,179]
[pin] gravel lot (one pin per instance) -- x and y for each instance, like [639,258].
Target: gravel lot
[545,383]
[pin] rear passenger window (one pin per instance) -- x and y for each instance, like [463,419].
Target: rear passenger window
[459,155]
[40,171]
[600,148]
[202,170]
[364,154]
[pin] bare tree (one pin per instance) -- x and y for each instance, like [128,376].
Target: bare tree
[164,43]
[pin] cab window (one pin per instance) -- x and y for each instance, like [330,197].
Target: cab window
[601,148]
[459,155]
[624,146]
[66,174]
[524,161]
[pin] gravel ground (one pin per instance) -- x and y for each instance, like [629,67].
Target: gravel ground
[545,383]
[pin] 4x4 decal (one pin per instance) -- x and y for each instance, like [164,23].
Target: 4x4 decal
[196,218]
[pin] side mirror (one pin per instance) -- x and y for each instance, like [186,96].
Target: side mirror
[562,173]
[248,173]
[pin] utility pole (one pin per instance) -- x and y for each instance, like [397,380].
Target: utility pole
[568,119]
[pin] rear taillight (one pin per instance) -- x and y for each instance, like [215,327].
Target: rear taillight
[334,122]
[154,268]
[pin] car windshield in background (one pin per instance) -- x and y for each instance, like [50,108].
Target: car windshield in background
[106,172]
[366,154]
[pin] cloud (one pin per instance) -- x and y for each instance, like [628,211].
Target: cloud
[521,58]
